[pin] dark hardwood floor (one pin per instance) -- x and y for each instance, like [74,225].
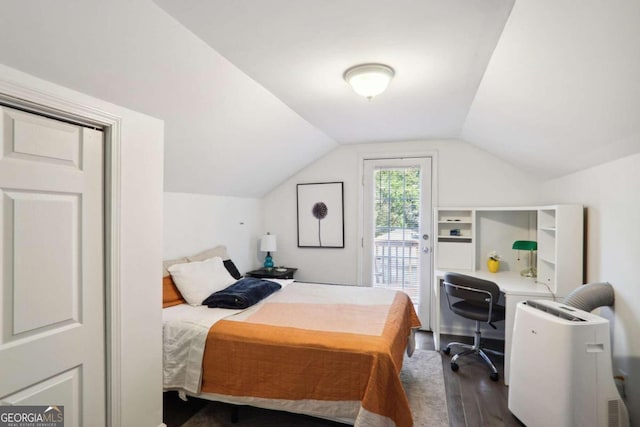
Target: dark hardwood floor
[473,399]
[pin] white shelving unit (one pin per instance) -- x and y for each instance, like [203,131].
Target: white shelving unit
[465,234]
[547,247]
[455,249]
[561,248]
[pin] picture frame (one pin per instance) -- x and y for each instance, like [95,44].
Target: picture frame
[320,214]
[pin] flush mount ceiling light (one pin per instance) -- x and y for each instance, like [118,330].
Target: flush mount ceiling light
[369,80]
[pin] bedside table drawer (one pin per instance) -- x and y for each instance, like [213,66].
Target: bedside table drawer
[274,273]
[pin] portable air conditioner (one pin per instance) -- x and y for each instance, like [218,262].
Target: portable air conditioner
[561,371]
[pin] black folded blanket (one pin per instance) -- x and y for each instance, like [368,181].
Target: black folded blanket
[242,294]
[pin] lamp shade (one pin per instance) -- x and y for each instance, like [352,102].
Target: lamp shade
[268,243]
[369,80]
[525,245]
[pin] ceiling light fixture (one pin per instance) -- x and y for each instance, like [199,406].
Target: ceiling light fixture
[369,80]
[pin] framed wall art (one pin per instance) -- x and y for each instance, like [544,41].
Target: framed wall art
[321,215]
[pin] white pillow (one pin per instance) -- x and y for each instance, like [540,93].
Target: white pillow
[197,280]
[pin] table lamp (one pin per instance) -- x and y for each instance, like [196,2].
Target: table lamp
[527,245]
[268,245]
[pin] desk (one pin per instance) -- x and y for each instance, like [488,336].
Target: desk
[515,289]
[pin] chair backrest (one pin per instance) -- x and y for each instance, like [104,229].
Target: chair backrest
[471,288]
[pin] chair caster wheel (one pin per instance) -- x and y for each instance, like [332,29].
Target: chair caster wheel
[447,351]
[494,376]
[454,366]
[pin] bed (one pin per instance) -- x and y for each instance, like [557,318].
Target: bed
[328,351]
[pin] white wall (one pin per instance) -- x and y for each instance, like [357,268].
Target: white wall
[612,197]
[194,222]
[140,254]
[140,275]
[465,176]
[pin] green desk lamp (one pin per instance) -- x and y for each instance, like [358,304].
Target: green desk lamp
[527,245]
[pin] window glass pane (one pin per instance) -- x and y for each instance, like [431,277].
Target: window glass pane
[397,217]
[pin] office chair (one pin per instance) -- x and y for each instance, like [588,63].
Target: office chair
[478,302]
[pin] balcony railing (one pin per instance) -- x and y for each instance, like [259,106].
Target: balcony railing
[396,265]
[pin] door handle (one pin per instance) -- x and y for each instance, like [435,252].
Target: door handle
[425,249]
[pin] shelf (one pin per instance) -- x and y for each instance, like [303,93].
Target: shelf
[550,261]
[547,219]
[549,229]
[455,216]
[455,237]
[547,274]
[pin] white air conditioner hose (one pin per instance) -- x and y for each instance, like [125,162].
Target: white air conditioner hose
[591,296]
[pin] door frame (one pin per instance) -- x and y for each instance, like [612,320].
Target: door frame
[38,102]
[434,201]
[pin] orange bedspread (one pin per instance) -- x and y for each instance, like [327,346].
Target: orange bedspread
[265,356]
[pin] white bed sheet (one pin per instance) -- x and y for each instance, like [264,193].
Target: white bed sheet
[184,330]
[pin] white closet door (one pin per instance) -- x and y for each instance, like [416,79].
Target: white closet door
[52,338]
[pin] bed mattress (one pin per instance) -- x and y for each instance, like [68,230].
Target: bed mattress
[323,350]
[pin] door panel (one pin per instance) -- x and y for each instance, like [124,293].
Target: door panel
[23,139]
[64,389]
[397,228]
[36,215]
[52,339]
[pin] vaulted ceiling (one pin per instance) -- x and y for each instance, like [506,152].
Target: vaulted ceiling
[299,50]
[252,91]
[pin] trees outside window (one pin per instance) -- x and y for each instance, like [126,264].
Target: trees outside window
[397,200]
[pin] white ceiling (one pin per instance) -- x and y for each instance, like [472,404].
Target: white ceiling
[224,133]
[299,50]
[252,91]
[562,90]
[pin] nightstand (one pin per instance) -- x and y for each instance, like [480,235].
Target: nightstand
[273,273]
